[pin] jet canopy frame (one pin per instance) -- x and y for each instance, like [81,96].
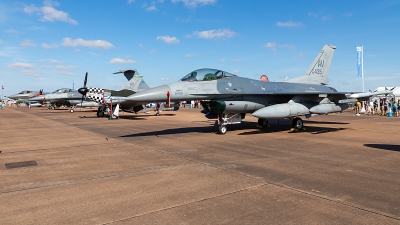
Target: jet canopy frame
[206,75]
[62,90]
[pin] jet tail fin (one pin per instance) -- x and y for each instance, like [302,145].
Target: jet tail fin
[135,80]
[319,69]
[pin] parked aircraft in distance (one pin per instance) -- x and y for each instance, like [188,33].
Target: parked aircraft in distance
[109,99]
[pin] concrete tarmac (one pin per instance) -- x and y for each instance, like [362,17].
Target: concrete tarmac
[175,169]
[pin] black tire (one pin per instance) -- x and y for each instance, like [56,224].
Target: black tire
[71,110]
[263,123]
[297,123]
[222,129]
[100,114]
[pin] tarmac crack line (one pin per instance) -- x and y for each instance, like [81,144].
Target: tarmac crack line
[88,179]
[188,203]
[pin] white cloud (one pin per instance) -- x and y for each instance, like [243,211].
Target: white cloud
[122,61]
[289,24]
[168,40]
[299,56]
[190,55]
[151,8]
[141,45]
[131,1]
[28,43]
[1,41]
[19,65]
[40,79]
[194,3]
[67,73]
[237,60]
[289,47]
[222,60]
[29,73]
[211,34]
[65,67]
[48,13]
[152,51]
[49,46]
[235,71]
[45,67]
[312,15]
[348,14]
[327,17]
[86,43]
[163,78]
[10,31]
[271,46]
[50,60]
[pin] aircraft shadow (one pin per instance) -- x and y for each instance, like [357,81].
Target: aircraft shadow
[322,122]
[248,126]
[395,148]
[209,129]
[283,128]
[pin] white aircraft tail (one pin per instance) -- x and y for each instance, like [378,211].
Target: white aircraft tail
[135,80]
[319,69]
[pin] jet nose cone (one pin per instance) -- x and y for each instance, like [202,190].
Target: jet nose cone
[83,91]
[158,94]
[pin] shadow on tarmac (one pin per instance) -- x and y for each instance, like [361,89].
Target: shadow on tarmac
[395,148]
[248,126]
[322,122]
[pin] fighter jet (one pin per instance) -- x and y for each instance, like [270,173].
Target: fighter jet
[24,95]
[62,96]
[72,98]
[110,99]
[228,97]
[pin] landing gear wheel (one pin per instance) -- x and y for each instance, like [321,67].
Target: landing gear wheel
[262,123]
[222,129]
[71,110]
[157,113]
[100,113]
[297,123]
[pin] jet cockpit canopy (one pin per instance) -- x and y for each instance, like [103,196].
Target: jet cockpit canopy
[62,90]
[206,74]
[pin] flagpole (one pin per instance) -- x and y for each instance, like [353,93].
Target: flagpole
[362,66]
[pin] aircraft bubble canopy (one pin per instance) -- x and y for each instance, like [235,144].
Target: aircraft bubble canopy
[62,90]
[206,74]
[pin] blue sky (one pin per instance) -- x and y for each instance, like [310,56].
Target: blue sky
[48,44]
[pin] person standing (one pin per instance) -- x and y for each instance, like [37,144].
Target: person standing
[358,108]
[395,109]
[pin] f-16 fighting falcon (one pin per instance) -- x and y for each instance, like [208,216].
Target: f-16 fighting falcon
[228,97]
[64,96]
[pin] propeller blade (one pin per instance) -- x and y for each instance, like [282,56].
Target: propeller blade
[85,81]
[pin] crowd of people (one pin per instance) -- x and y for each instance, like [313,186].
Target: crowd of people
[192,104]
[380,106]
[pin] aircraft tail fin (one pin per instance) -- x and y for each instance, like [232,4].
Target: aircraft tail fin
[319,69]
[135,80]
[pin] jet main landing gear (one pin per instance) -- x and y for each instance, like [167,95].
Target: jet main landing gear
[297,124]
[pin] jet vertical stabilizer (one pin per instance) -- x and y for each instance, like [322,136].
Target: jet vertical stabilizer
[319,69]
[135,80]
